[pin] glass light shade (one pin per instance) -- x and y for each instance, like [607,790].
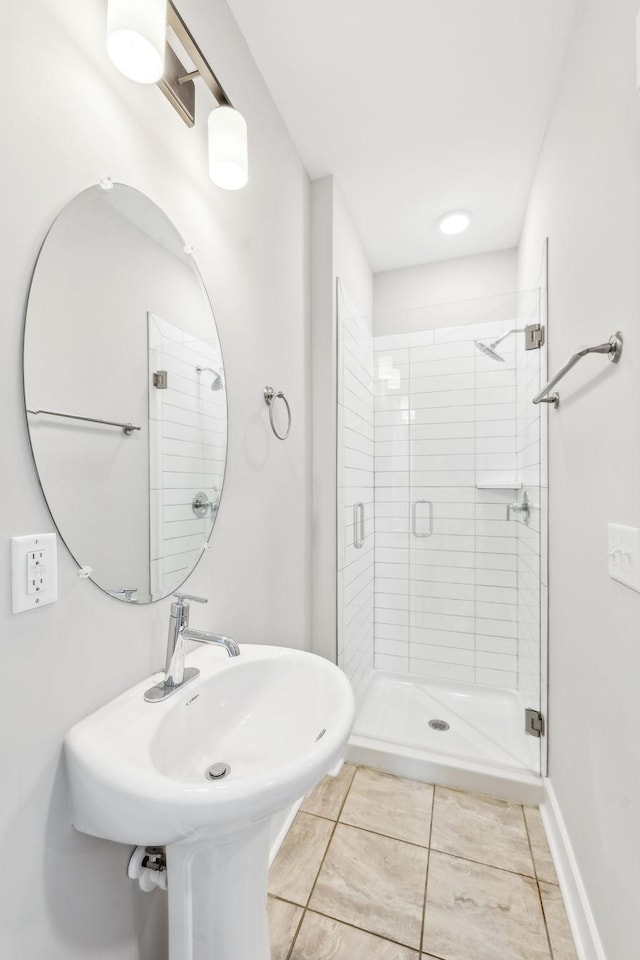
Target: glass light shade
[136,38]
[456,222]
[228,159]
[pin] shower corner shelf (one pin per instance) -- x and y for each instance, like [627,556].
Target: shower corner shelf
[498,483]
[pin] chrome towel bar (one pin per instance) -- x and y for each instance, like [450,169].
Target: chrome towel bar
[127,428]
[613,348]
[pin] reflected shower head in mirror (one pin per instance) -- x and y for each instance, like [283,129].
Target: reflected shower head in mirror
[217,379]
[489,349]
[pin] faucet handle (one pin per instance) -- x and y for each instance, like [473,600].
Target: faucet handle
[187,596]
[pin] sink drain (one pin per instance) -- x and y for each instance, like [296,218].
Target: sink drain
[217,771]
[441,725]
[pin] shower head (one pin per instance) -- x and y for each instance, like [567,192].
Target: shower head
[217,379]
[487,349]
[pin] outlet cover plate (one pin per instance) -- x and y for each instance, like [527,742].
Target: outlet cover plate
[21,547]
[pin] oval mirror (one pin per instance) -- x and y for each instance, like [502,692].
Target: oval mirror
[125,393]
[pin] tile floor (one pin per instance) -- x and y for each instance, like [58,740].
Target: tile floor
[377,867]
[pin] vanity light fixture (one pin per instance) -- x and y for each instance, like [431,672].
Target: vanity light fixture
[137,44]
[455,222]
[228,166]
[136,38]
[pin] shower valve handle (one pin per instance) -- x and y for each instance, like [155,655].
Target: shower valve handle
[523,508]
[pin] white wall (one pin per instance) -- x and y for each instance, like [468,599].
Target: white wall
[441,294]
[74,120]
[586,198]
[356,537]
[336,254]
[324,354]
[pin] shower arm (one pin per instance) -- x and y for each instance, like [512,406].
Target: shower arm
[507,334]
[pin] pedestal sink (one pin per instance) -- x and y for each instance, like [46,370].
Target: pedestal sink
[279,719]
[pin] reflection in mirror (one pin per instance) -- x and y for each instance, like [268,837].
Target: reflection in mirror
[125,393]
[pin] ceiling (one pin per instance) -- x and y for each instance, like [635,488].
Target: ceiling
[417,107]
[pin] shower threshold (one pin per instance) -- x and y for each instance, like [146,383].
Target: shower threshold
[477,741]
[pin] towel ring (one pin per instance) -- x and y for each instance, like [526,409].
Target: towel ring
[269,396]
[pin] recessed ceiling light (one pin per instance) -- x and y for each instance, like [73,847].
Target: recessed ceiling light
[456,222]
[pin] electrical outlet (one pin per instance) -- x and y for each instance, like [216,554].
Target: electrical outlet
[37,571]
[624,555]
[34,571]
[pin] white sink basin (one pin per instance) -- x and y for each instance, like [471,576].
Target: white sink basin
[279,718]
[137,769]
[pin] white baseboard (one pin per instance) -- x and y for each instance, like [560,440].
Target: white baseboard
[581,919]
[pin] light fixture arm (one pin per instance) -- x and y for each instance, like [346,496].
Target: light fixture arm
[189,76]
[202,68]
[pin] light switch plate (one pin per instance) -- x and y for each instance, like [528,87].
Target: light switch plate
[34,571]
[624,555]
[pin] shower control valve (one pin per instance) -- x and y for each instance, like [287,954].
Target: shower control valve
[523,508]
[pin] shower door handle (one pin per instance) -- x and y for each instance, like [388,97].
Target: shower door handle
[414,518]
[358,525]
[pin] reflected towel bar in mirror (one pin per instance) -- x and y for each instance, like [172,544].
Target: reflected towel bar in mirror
[126,428]
[613,348]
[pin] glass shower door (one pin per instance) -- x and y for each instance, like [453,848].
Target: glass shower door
[459,560]
[474,553]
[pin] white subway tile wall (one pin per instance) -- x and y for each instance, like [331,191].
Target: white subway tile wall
[455,581]
[187,446]
[355,461]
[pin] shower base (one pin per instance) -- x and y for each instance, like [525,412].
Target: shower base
[484,749]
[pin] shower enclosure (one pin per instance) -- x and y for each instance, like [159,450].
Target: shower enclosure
[441,511]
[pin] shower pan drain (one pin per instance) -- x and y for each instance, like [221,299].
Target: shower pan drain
[439,725]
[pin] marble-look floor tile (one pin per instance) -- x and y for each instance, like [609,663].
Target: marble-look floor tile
[373,882]
[283,923]
[480,828]
[557,923]
[390,805]
[327,797]
[296,866]
[323,939]
[475,912]
[542,861]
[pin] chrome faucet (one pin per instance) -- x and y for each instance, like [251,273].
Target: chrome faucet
[176,674]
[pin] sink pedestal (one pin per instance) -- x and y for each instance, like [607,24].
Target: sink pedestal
[218,897]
